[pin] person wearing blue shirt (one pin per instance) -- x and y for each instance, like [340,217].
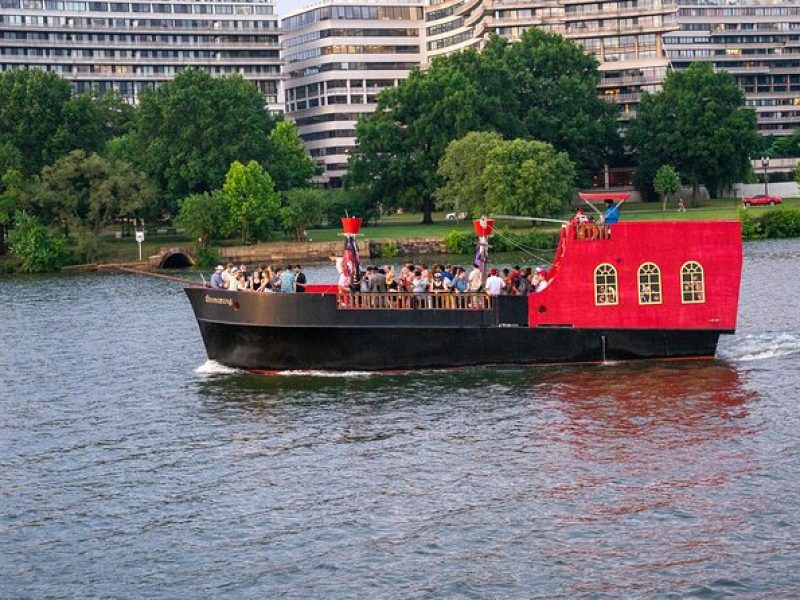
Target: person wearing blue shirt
[216,279]
[287,279]
[612,213]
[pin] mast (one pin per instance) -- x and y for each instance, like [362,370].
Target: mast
[351,260]
[483,229]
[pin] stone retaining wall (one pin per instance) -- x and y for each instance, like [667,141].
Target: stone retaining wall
[278,252]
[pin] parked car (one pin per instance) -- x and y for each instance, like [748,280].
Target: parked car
[456,216]
[760,200]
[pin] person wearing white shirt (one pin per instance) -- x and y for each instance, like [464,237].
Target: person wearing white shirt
[494,284]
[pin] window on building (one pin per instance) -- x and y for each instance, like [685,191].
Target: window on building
[605,285]
[693,285]
[649,284]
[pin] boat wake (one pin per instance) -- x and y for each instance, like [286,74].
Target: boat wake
[761,347]
[212,367]
[314,373]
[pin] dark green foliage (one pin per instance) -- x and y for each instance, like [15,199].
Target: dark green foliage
[207,258]
[697,123]
[354,202]
[543,88]
[781,223]
[37,248]
[751,227]
[190,130]
[40,119]
[301,209]
[205,217]
[505,240]
[290,165]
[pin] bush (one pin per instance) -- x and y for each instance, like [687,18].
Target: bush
[87,248]
[353,202]
[388,250]
[37,248]
[459,242]
[781,223]
[751,227]
[463,242]
[207,258]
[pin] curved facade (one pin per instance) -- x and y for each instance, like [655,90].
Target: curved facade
[337,57]
[133,46]
[758,42]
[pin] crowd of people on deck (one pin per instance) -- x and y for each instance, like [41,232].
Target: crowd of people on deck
[263,279]
[446,279]
[410,278]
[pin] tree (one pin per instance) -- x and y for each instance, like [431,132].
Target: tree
[401,143]
[302,207]
[555,83]
[290,165]
[352,201]
[189,130]
[666,183]
[38,249]
[461,169]
[542,87]
[697,123]
[31,109]
[205,217]
[252,201]
[42,120]
[528,177]
[82,189]
[10,202]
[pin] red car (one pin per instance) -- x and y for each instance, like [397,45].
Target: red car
[761,199]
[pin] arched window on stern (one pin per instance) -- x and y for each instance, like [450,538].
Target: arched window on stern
[650,284]
[693,283]
[606,290]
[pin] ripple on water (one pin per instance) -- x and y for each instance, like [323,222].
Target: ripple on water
[128,471]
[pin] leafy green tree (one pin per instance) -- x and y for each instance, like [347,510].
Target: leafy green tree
[461,170]
[11,199]
[82,189]
[188,131]
[252,200]
[37,248]
[697,123]
[290,165]
[401,143]
[302,208]
[122,191]
[31,109]
[666,182]
[543,87]
[555,85]
[42,120]
[352,201]
[528,177]
[205,217]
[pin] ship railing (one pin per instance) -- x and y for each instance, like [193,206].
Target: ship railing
[592,231]
[410,301]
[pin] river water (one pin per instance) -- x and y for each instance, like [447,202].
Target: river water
[130,467]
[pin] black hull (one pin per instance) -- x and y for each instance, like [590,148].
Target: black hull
[296,332]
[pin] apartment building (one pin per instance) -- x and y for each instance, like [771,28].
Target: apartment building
[756,41]
[134,46]
[338,55]
[624,35]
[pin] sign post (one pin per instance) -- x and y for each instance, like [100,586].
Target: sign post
[139,240]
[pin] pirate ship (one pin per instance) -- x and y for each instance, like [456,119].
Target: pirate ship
[650,290]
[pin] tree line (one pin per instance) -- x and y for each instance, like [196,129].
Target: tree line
[512,128]
[194,150]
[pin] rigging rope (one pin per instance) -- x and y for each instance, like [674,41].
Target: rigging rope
[505,236]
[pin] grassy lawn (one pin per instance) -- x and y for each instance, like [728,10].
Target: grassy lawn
[112,250]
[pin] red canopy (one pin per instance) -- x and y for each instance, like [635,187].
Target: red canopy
[603,196]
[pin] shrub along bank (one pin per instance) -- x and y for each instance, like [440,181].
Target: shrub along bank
[779,223]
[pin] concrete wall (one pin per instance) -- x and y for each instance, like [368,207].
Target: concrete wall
[784,189]
[278,252]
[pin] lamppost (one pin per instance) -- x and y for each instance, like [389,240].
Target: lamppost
[765,165]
